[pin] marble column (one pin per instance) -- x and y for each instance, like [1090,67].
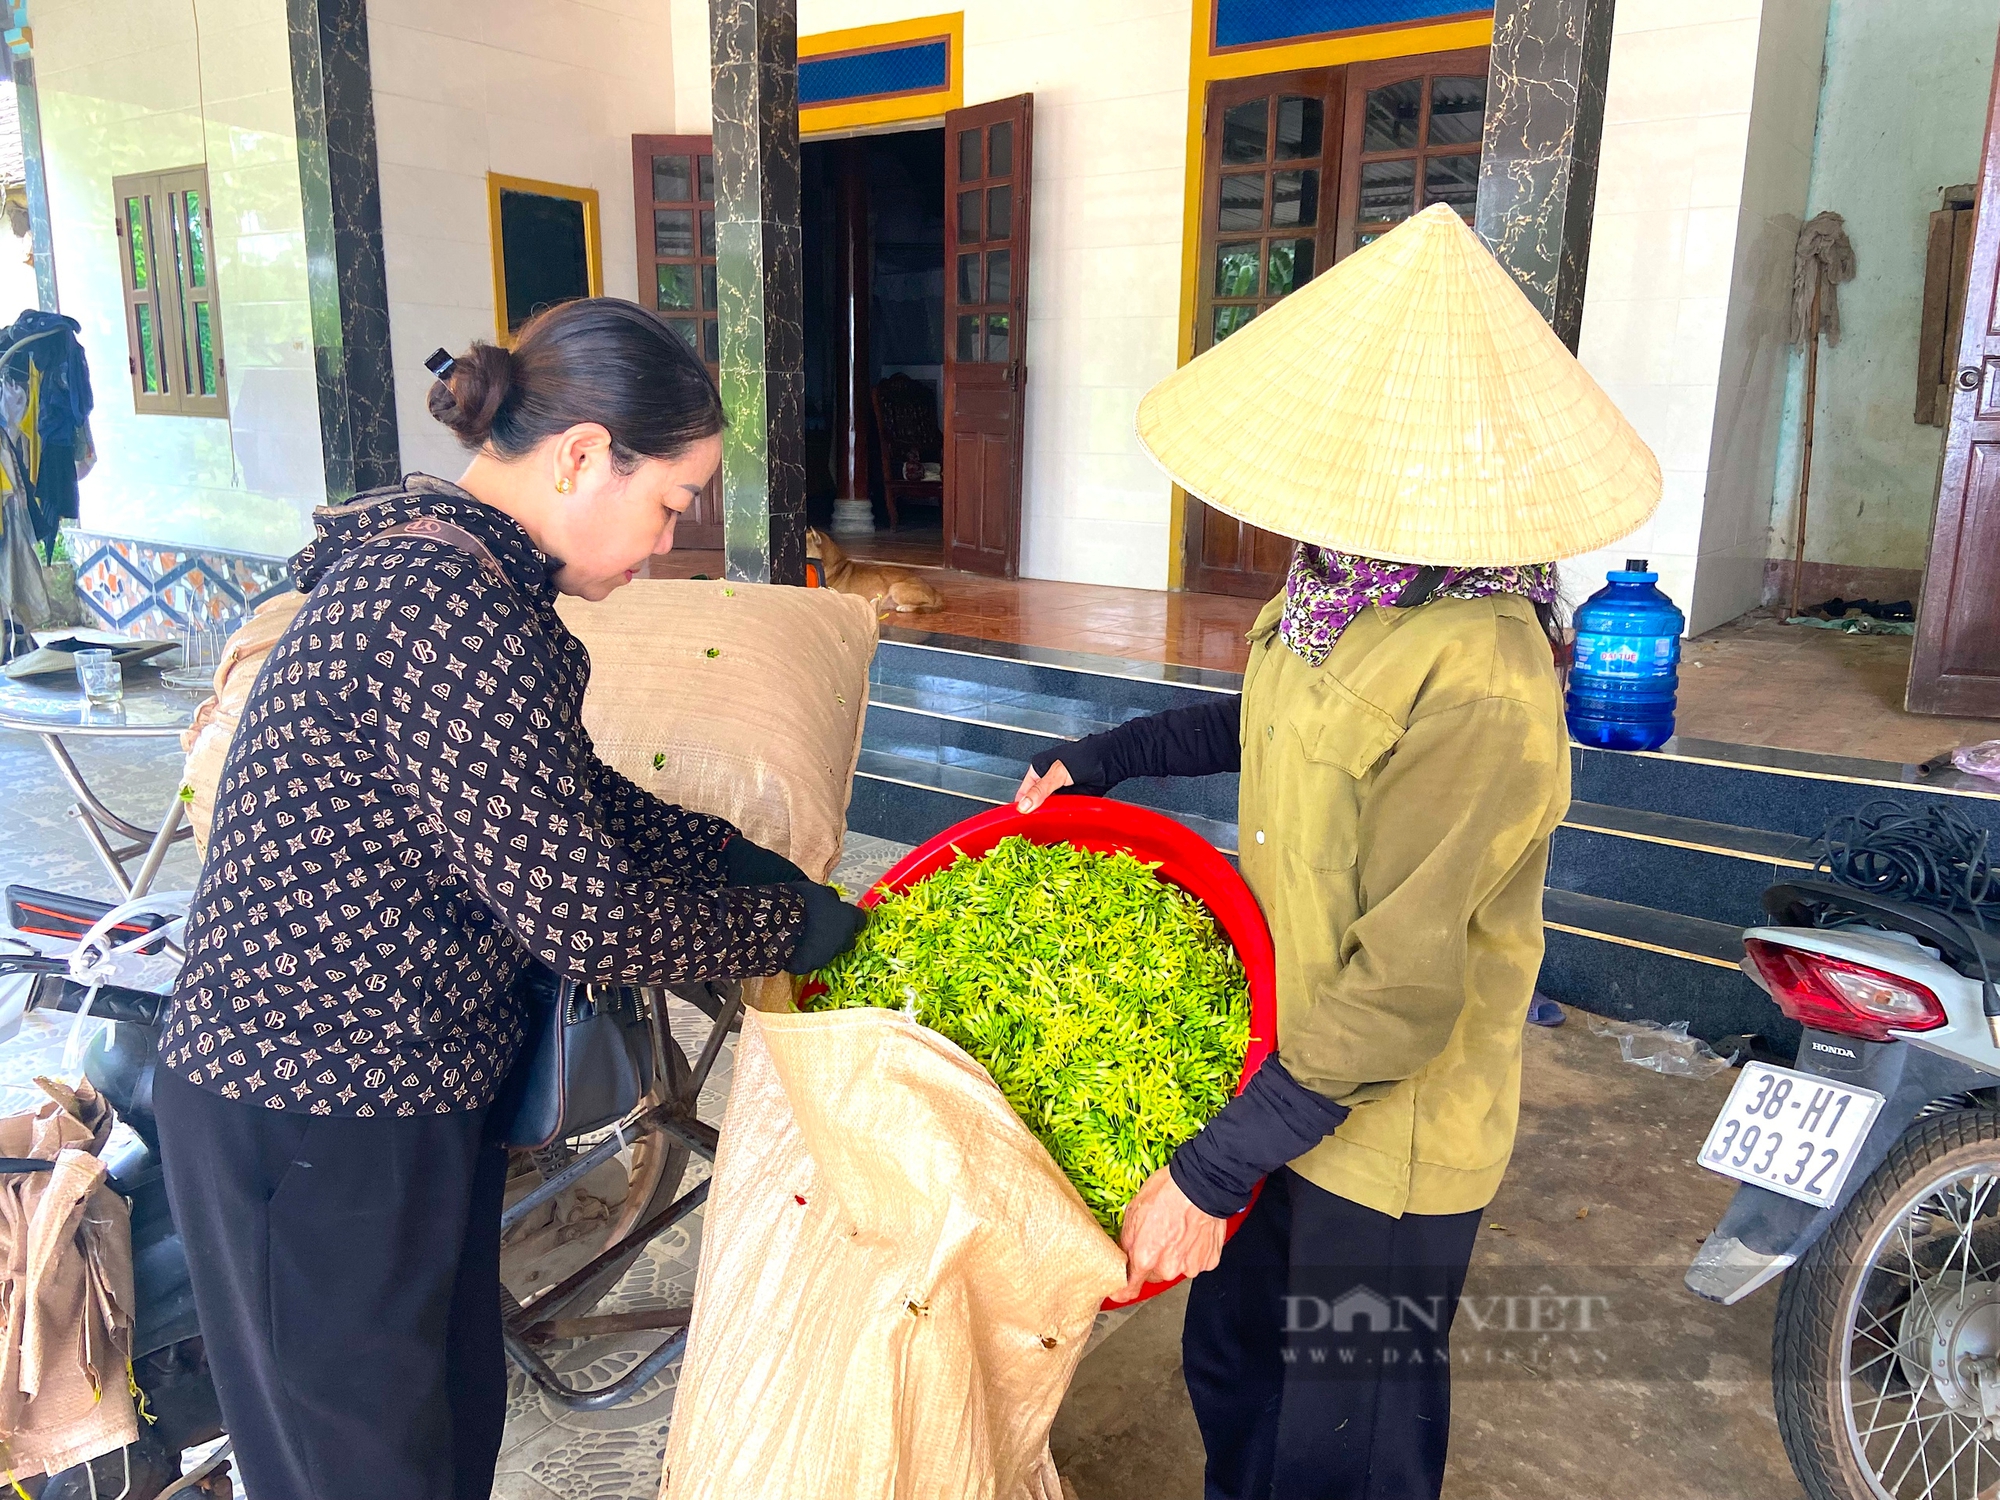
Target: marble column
[1538,167]
[347,287]
[754,60]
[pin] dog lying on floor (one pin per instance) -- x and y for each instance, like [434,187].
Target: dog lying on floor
[891,590]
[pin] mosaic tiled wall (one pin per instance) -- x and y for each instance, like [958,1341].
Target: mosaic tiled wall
[148,588]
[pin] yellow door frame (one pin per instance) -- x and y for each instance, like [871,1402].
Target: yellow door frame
[852,117]
[1206,66]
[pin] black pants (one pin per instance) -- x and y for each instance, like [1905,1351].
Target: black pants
[347,1276]
[1317,1354]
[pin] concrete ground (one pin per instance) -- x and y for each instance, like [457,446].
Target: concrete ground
[1666,1397]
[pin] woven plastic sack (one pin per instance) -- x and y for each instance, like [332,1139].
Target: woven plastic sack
[764,733]
[206,740]
[740,700]
[896,1281]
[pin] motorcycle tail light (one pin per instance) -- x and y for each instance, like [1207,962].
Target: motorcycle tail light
[1834,994]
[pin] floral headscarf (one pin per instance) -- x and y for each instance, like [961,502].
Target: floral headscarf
[1325,591]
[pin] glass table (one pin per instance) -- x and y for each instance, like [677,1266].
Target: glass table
[53,710]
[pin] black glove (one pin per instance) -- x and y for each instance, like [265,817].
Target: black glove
[745,863]
[830,930]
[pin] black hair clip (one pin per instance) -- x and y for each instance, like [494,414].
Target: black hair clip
[441,365]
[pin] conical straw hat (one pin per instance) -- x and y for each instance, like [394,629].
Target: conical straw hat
[1409,404]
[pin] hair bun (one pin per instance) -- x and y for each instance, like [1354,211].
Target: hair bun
[470,393]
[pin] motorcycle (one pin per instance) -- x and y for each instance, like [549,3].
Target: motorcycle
[578,1213]
[1870,1183]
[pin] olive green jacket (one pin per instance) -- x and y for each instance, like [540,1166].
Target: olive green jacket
[1396,809]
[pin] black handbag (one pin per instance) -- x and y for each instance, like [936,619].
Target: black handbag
[586,1062]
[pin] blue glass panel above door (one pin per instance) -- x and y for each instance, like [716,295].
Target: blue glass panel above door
[1251,23]
[905,69]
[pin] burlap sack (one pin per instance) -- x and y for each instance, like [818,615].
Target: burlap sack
[66,1291]
[896,1281]
[737,699]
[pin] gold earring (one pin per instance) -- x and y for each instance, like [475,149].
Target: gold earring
[563,485]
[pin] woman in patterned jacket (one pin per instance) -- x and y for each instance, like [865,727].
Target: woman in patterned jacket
[410,812]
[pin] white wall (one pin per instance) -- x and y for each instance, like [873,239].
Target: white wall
[1110,86]
[1904,109]
[548,89]
[1707,140]
[123,86]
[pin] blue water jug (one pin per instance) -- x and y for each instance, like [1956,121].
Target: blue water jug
[1626,666]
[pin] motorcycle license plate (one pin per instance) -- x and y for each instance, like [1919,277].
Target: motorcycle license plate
[1793,1133]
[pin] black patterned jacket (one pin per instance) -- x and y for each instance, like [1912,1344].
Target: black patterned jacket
[410,808]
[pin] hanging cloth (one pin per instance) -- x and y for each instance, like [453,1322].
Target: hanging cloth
[1824,259]
[49,341]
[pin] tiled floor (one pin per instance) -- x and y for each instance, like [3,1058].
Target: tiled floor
[1191,630]
[1754,681]
[909,546]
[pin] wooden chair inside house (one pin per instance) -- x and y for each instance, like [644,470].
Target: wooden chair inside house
[910,445]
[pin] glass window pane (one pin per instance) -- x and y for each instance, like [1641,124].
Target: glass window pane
[999,213]
[197,232]
[968,336]
[1453,180]
[204,337]
[673,231]
[1246,130]
[1291,266]
[1242,201]
[135,239]
[1388,189]
[177,260]
[968,278]
[708,288]
[708,231]
[689,329]
[1389,119]
[1229,319]
[996,339]
[671,182]
[1458,110]
[673,286]
[968,216]
[1000,150]
[149,350]
[1300,122]
[969,167]
[1236,269]
[711,341]
[1000,276]
[705,178]
[1295,199]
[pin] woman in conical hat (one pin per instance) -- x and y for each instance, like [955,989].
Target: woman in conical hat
[1430,444]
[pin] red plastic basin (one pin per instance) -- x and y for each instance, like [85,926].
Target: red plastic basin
[1184,858]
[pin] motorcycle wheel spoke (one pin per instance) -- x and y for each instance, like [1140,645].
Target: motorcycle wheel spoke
[1919,1455]
[1910,1421]
[1951,1464]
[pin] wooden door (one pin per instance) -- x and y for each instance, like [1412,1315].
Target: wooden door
[1300,169]
[988,170]
[1271,147]
[673,186]
[1955,668]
